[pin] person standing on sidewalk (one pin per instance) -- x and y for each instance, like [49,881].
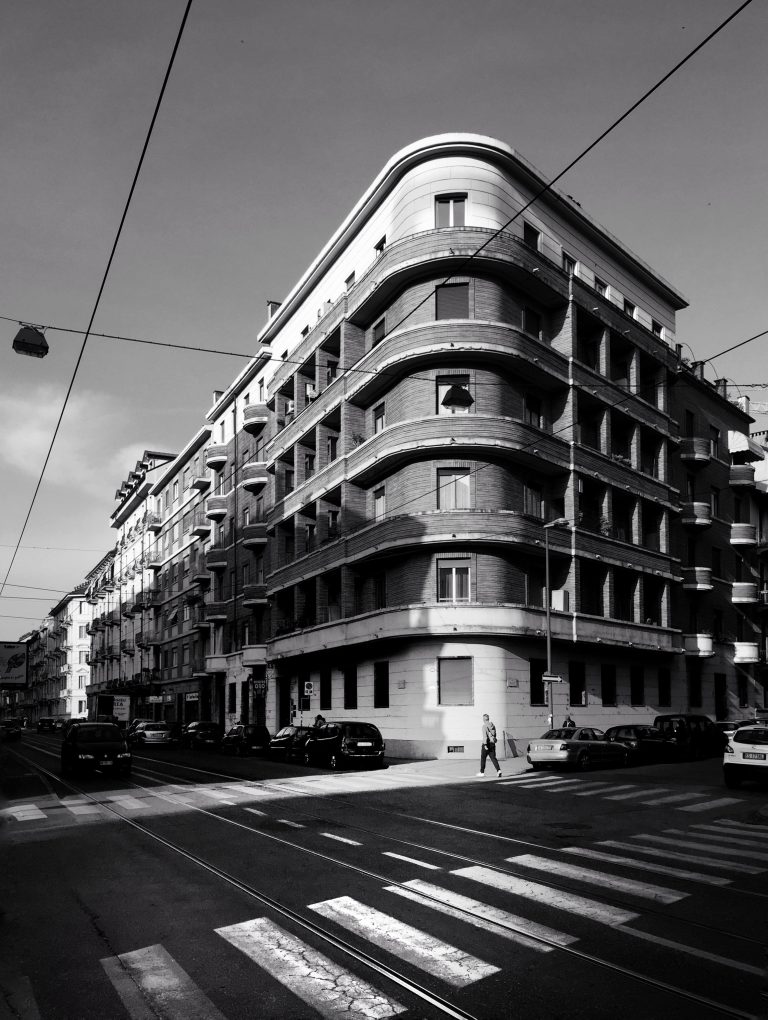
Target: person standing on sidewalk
[488,748]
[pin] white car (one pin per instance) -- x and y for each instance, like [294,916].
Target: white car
[580,746]
[746,756]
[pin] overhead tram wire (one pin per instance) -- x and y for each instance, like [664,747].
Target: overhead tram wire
[101,286]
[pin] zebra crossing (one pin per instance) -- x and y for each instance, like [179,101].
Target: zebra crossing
[150,982]
[691,802]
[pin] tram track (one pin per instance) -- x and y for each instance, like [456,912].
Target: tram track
[360,955]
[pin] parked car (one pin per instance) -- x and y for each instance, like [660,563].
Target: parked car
[46,724]
[154,734]
[246,738]
[580,746]
[346,742]
[10,729]
[729,726]
[746,756]
[134,723]
[696,735]
[289,742]
[644,743]
[87,746]
[201,734]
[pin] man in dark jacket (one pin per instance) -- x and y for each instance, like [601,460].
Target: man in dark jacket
[488,747]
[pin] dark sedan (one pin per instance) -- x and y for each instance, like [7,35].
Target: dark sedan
[644,743]
[289,742]
[88,746]
[202,735]
[345,743]
[46,724]
[10,729]
[246,739]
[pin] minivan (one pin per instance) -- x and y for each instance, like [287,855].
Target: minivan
[696,735]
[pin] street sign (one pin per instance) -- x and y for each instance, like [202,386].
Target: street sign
[309,688]
[552,678]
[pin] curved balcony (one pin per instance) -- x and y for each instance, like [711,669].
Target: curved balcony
[742,476]
[255,535]
[154,559]
[255,418]
[127,647]
[216,455]
[696,515]
[216,558]
[215,612]
[744,592]
[152,597]
[217,507]
[201,525]
[197,618]
[254,476]
[698,645]
[743,534]
[112,652]
[200,482]
[746,651]
[200,574]
[254,595]
[697,578]
[695,450]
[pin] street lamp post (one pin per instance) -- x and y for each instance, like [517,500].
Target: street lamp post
[560,522]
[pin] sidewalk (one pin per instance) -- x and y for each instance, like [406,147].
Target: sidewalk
[457,768]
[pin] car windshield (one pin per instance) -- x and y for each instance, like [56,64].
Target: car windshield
[753,735]
[365,730]
[91,734]
[564,733]
[154,727]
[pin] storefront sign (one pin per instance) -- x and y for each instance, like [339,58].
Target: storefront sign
[121,707]
[155,699]
[192,696]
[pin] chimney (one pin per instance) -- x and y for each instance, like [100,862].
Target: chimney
[697,367]
[721,385]
[272,307]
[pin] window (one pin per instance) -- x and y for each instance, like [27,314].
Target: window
[449,210]
[569,264]
[261,391]
[665,687]
[636,685]
[608,684]
[453,489]
[309,465]
[452,582]
[81,657]
[350,687]
[629,308]
[231,698]
[81,632]
[175,491]
[452,301]
[534,410]
[742,691]
[260,508]
[246,573]
[531,322]
[379,503]
[380,591]
[349,283]
[601,286]
[330,371]
[657,329]
[246,516]
[289,480]
[454,681]
[259,571]
[380,246]
[378,332]
[577,682]
[531,236]
[533,500]
[333,523]
[694,686]
[381,685]
[326,690]
[714,501]
[714,441]
[174,656]
[379,418]
[538,668]
[332,448]
[185,654]
[453,396]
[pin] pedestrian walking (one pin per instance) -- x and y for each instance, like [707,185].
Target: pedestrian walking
[319,720]
[488,747]
[568,722]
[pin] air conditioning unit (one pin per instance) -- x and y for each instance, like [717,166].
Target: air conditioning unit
[559,600]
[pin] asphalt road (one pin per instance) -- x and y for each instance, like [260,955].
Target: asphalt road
[209,887]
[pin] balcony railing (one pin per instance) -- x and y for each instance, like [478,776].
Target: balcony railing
[698,645]
[216,558]
[215,612]
[744,592]
[201,525]
[697,578]
[695,450]
[255,417]
[254,594]
[746,651]
[696,514]
[743,534]
[254,476]
[217,507]
[742,476]
[255,535]
[201,482]
[154,523]
[216,455]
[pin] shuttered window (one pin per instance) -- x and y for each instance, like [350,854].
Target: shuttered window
[452,301]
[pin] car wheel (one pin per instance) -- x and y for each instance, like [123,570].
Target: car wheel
[584,761]
[731,779]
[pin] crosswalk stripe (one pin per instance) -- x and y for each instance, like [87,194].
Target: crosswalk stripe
[218,795]
[727,823]
[26,813]
[479,914]
[702,954]
[752,839]
[659,869]
[632,796]
[675,798]
[603,913]
[538,781]
[411,860]
[728,841]
[557,787]
[746,869]
[711,848]
[128,803]
[710,804]
[293,825]
[341,839]
[611,789]
[81,808]
[255,811]
[657,893]
[436,957]
[331,990]
[151,983]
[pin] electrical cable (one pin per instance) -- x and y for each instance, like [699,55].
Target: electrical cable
[102,285]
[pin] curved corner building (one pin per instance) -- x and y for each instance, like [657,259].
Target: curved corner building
[468,359]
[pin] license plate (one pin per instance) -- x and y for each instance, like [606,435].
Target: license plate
[108,761]
[754,755]
[542,747]
[364,743]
